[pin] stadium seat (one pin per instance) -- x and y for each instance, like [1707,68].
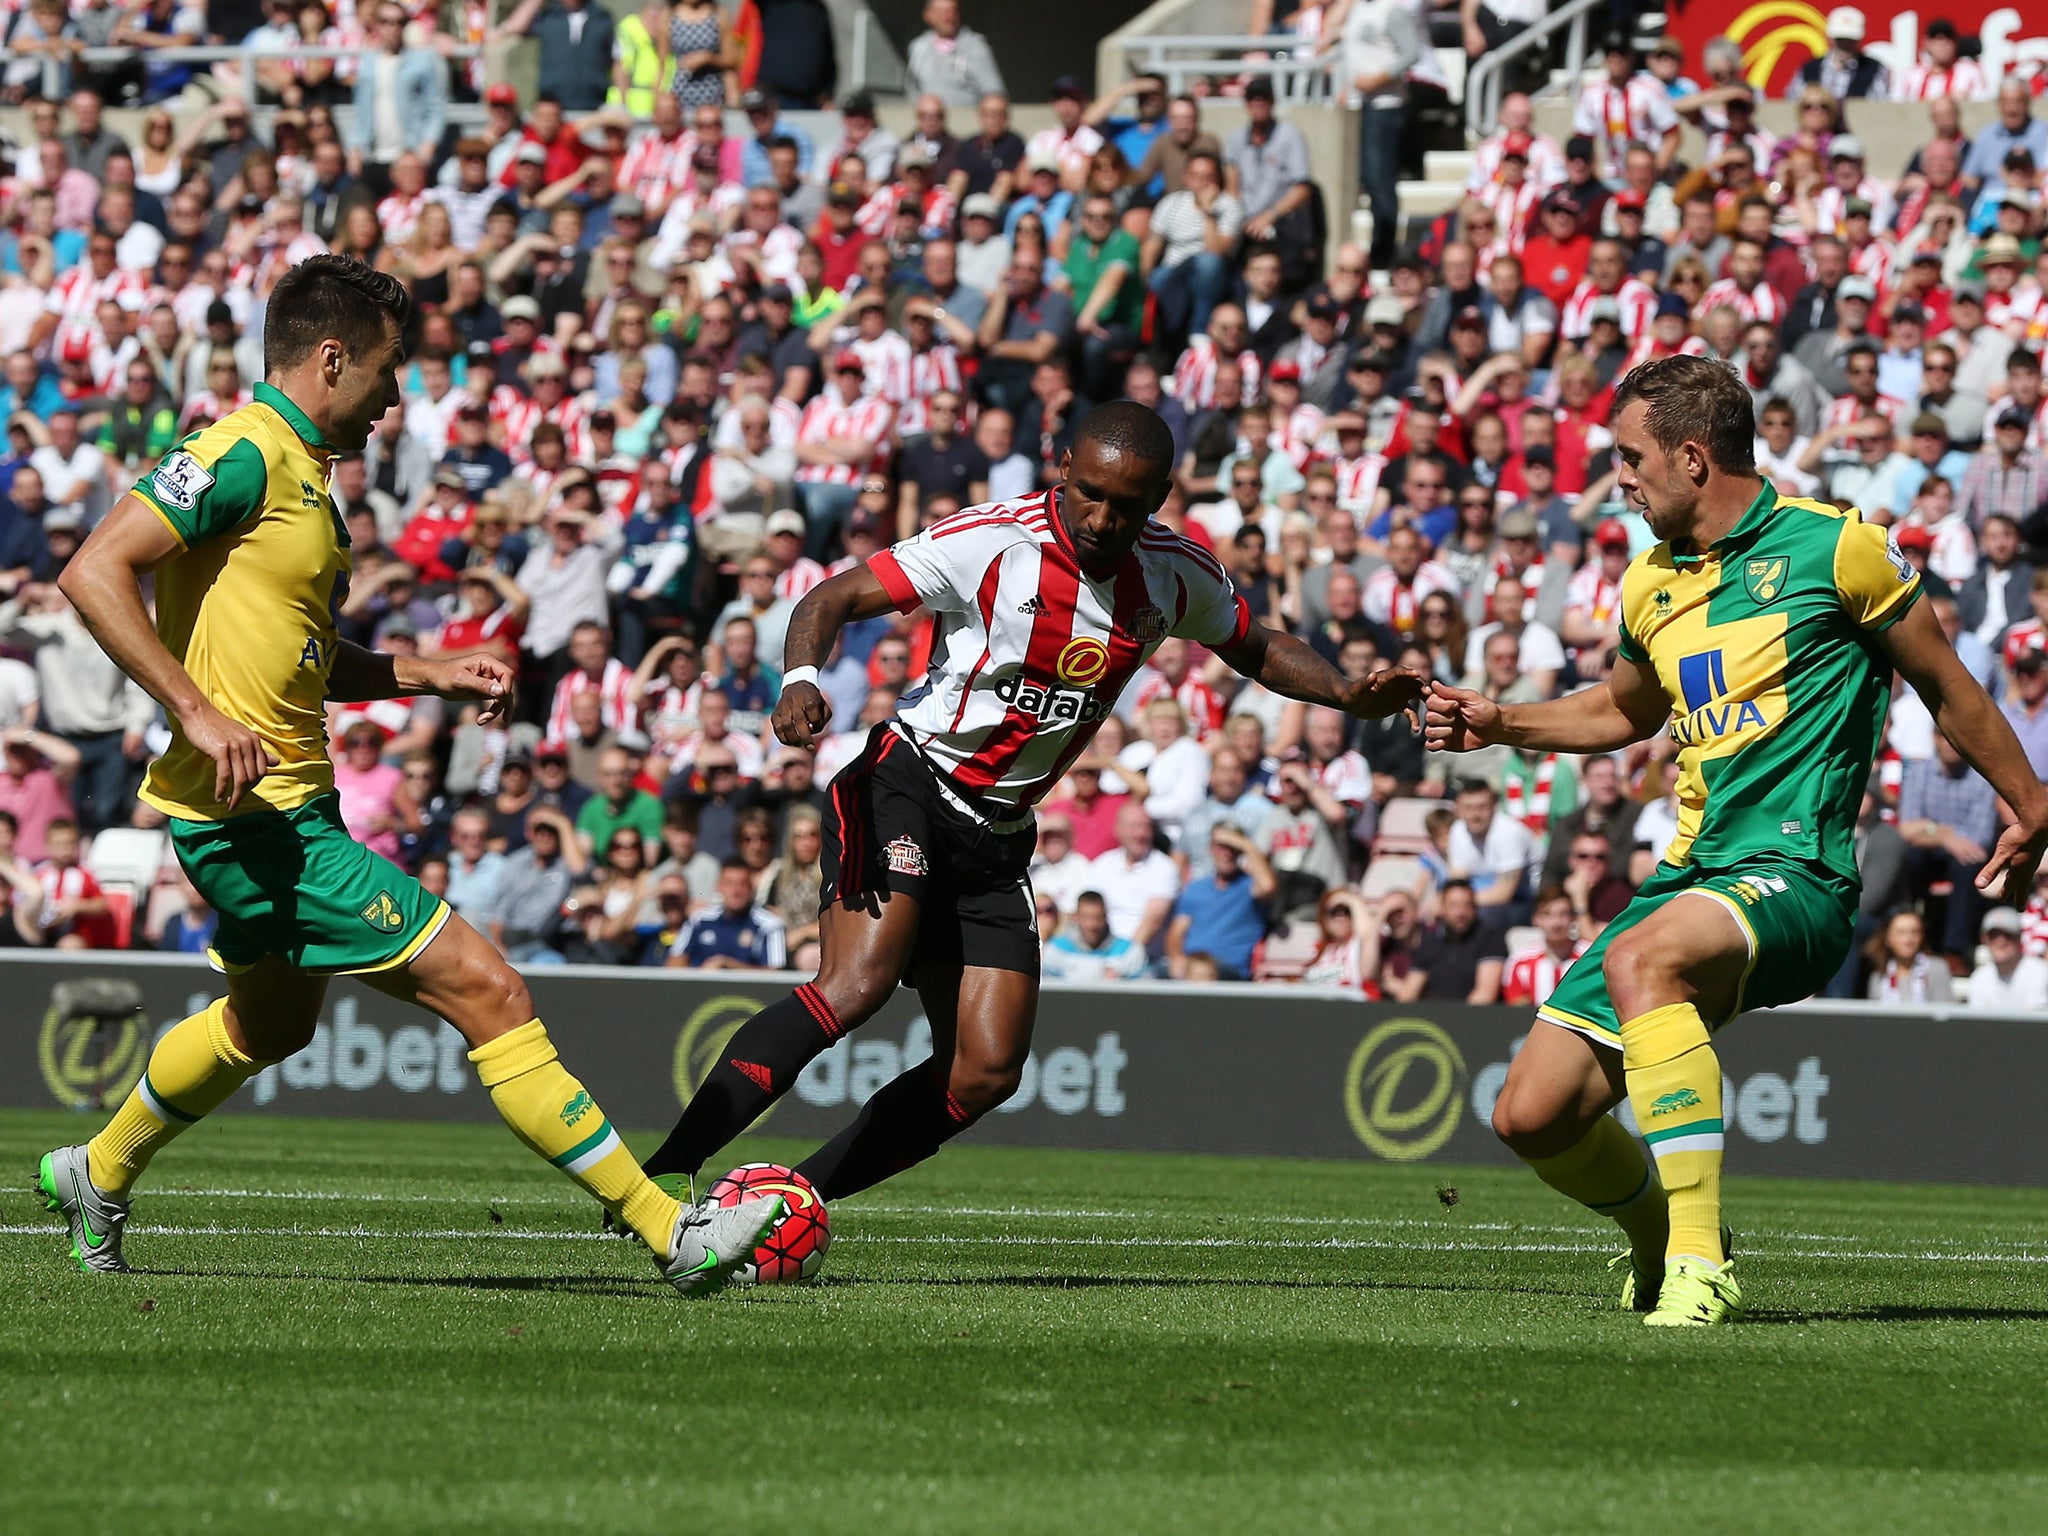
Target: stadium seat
[121,908]
[1400,828]
[1522,938]
[127,856]
[1394,872]
[1286,952]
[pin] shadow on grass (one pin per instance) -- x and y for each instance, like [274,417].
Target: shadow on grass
[577,1285]
[1901,1315]
[1182,1282]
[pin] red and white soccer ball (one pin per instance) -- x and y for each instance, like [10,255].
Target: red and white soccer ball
[794,1248]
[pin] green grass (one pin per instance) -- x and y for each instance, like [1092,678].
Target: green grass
[1004,1341]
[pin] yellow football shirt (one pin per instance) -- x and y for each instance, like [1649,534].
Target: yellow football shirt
[248,603]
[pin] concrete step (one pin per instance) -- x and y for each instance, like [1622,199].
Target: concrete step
[1447,165]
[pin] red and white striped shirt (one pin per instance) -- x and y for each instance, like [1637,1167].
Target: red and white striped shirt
[1618,116]
[1759,303]
[76,296]
[931,370]
[1533,974]
[1393,604]
[523,413]
[1636,300]
[1874,261]
[1847,410]
[877,214]
[936,209]
[1035,651]
[1546,163]
[1593,594]
[776,251]
[1514,210]
[886,360]
[1194,376]
[614,688]
[2024,637]
[76,884]
[1830,202]
[803,574]
[1072,150]
[1202,704]
[653,167]
[1298,435]
[828,416]
[1358,482]
[1963,79]
[400,215]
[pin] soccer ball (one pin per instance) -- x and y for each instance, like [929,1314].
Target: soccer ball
[794,1248]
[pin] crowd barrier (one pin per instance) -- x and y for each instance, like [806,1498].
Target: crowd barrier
[1813,1091]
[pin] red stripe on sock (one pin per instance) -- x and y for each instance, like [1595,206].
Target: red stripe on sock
[956,1110]
[815,1004]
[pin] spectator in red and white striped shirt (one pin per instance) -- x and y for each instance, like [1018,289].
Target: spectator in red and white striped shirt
[593,669]
[843,434]
[1533,974]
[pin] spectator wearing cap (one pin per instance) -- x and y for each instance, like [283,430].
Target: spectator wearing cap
[576,45]
[2005,476]
[1625,106]
[862,135]
[982,254]
[401,100]
[2010,980]
[1977,356]
[1768,374]
[1042,194]
[1825,354]
[766,129]
[950,61]
[1554,258]
[1266,168]
[842,434]
[1317,354]
[2014,128]
[1844,71]
[1643,254]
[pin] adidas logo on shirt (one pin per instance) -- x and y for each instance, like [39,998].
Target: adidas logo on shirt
[1033,605]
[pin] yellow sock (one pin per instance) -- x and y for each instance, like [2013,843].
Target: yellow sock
[1607,1172]
[550,1111]
[1674,1085]
[194,1070]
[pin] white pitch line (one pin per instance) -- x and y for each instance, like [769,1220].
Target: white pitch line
[927,1241]
[1031,1213]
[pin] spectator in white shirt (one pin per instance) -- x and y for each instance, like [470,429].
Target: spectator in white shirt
[1056,869]
[1494,852]
[1167,770]
[1137,881]
[2011,981]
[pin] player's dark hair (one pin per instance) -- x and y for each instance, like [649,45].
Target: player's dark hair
[331,296]
[1695,400]
[738,864]
[1128,427]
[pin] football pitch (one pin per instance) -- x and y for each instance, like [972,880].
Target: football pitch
[394,1328]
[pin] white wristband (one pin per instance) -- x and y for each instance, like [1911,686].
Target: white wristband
[797,675]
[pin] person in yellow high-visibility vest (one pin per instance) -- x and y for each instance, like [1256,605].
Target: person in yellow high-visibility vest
[642,67]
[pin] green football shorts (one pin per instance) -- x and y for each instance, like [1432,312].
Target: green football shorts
[1798,923]
[295,884]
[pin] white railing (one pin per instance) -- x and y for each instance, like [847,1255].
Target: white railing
[1298,79]
[1483,81]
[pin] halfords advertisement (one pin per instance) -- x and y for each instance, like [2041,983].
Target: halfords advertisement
[1778,36]
[1241,1071]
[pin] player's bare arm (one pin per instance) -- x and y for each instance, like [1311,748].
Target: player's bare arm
[1278,661]
[801,713]
[104,583]
[1964,713]
[1632,706]
[360,675]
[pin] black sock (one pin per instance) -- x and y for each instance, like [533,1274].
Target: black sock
[902,1125]
[759,1063]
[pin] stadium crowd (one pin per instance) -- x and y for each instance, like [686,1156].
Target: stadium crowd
[677,361]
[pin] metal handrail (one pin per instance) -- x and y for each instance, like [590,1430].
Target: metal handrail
[217,53]
[1295,78]
[1483,81]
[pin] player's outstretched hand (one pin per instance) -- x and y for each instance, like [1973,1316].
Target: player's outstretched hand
[477,677]
[239,756]
[800,715]
[2009,873]
[1459,720]
[1387,692]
